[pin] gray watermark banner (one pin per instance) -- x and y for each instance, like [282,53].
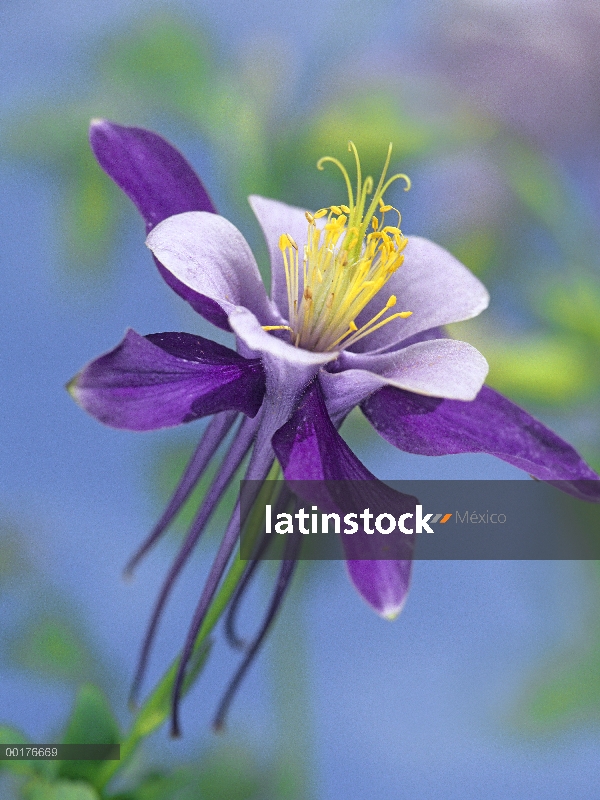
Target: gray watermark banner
[427,520]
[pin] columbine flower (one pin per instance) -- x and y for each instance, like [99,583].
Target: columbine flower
[329,339]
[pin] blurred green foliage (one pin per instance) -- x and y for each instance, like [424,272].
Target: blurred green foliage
[91,722]
[49,643]
[566,692]
[46,636]
[543,369]
[52,646]
[226,769]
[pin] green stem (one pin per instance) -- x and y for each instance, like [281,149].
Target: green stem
[156,709]
[290,671]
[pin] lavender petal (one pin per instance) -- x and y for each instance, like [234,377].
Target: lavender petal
[431,283]
[161,183]
[439,368]
[210,256]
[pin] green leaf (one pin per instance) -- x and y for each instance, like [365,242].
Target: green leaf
[230,772]
[536,183]
[372,121]
[475,248]
[52,647]
[568,694]
[575,307]
[179,784]
[156,709]
[91,722]
[61,790]
[14,563]
[227,771]
[163,62]
[88,216]
[13,736]
[545,369]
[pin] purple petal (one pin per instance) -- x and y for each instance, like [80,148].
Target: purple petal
[488,424]
[432,284]
[440,368]
[276,218]
[310,449]
[210,256]
[160,182]
[149,170]
[383,584]
[164,379]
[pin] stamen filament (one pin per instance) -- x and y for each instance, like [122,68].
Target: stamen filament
[343,267]
[351,328]
[362,332]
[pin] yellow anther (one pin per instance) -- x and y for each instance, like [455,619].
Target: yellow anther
[342,267]
[276,328]
[404,314]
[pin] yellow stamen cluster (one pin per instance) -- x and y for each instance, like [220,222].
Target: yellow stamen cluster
[343,266]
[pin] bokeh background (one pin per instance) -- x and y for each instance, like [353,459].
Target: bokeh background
[488,685]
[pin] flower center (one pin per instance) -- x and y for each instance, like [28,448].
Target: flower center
[345,263]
